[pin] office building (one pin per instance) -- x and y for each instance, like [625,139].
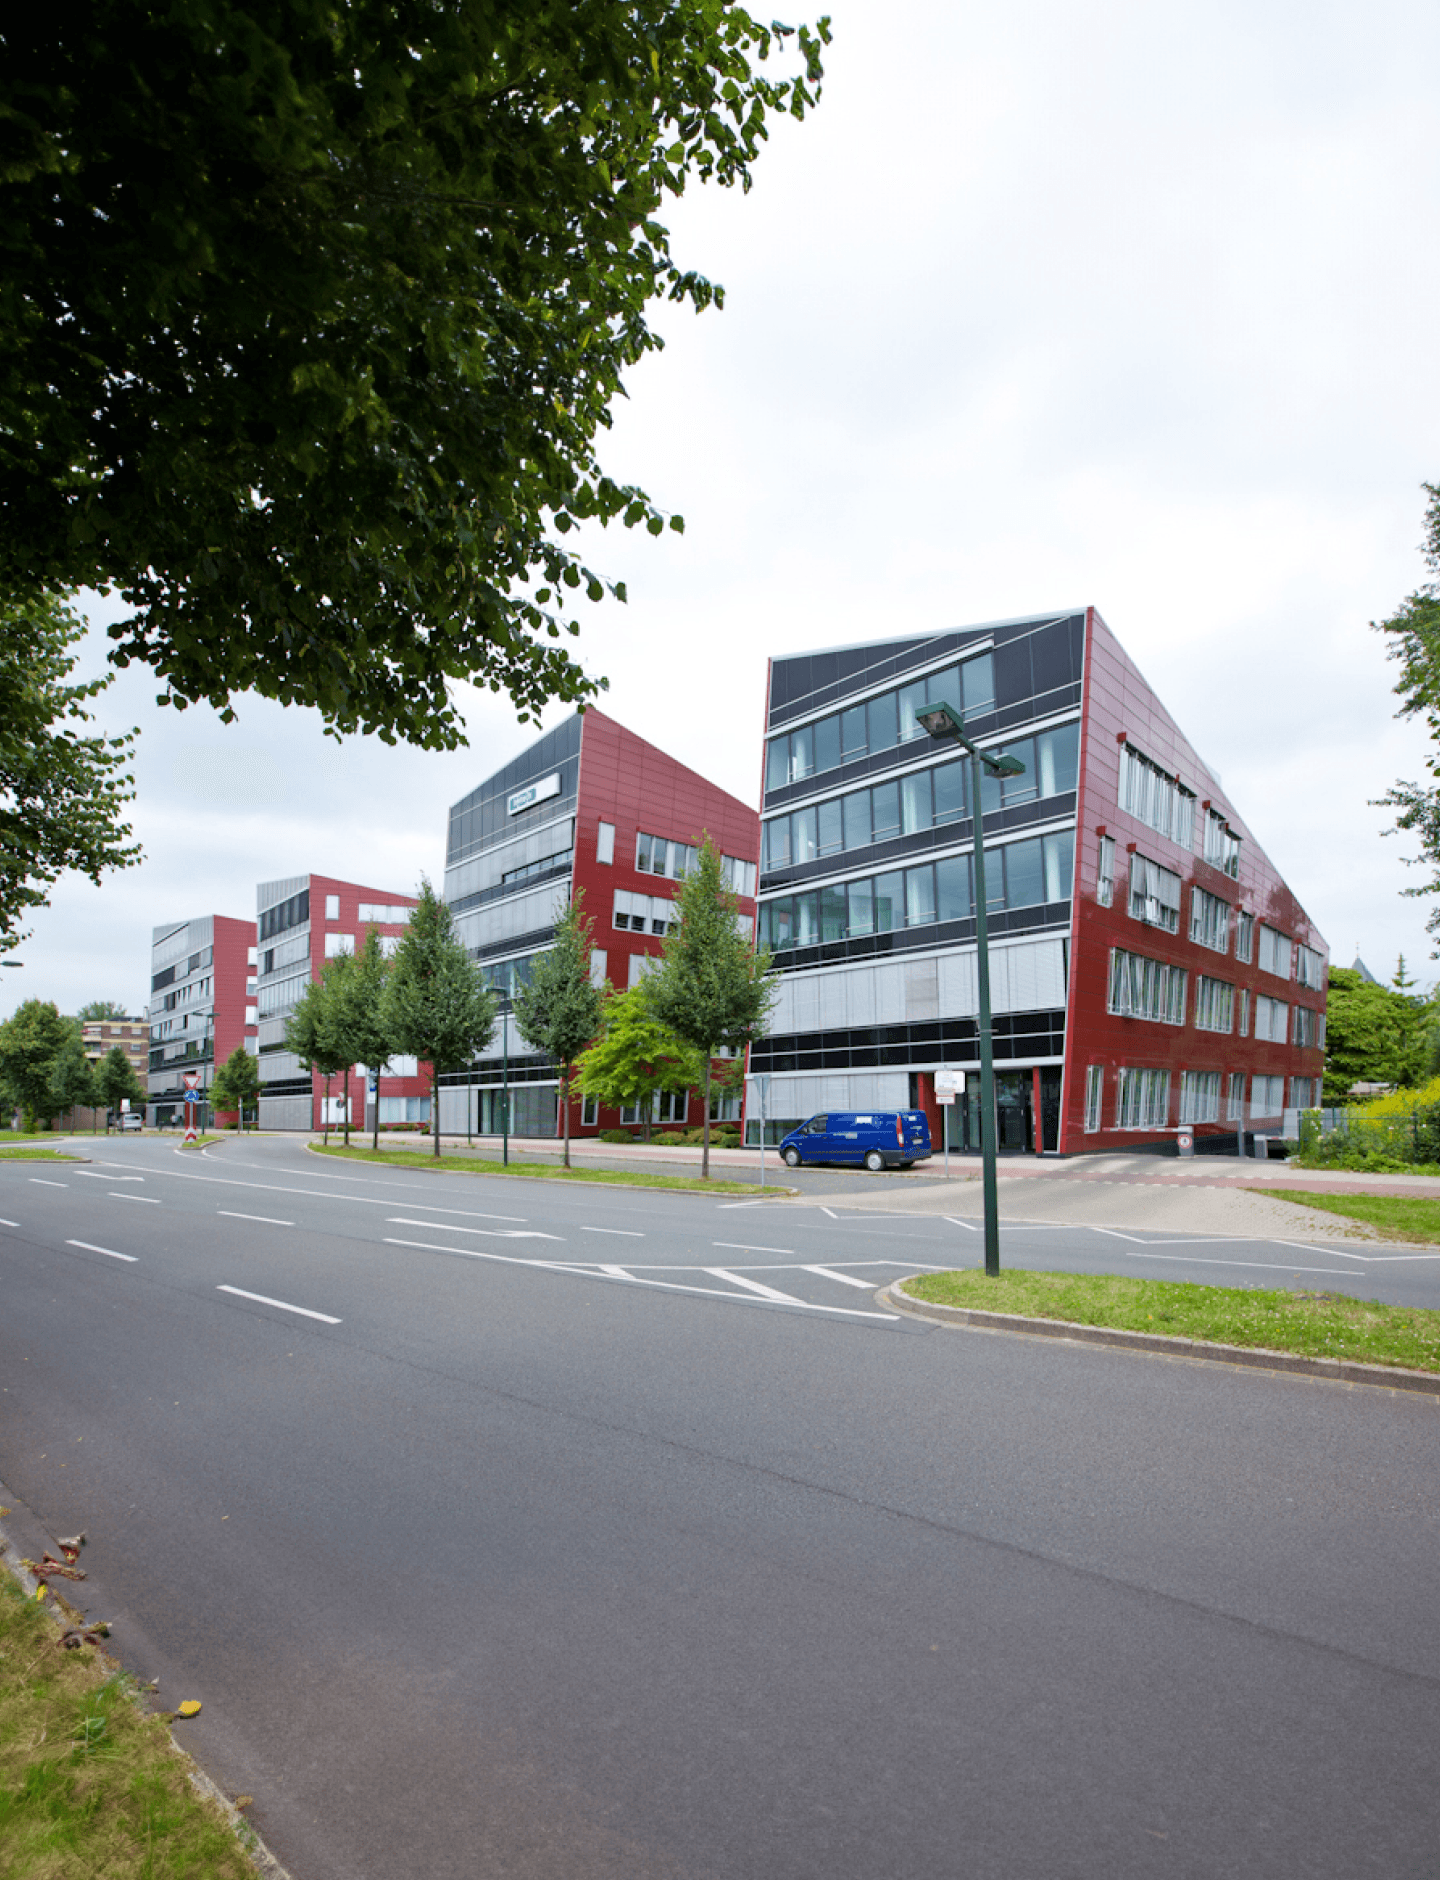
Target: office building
[1150,970]
[202,1005]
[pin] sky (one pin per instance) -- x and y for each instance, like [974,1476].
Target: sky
[1129,305]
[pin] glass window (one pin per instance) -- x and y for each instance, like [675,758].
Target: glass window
[1024,875]
[919,896]
[945,687]
[827,743]
[807,927]
[889,902]
[1059,865]
[912,697]
[862,907]
[952,888]
[804,846]
[605,842]
[915,801]
[991,800]
[852,733]
[884,725]
[1026,787]
[978,678]
[857,819]
[949,782]
[832,913]
[1094,1091]
[779,839]
[777,763]
[832,832]
[885,811]
[782,923]
[1105,872]
[802,753]
[332,907]
[1057,756]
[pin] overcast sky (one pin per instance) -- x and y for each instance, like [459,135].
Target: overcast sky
[1131,305]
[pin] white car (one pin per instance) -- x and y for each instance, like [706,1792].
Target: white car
[131,1119]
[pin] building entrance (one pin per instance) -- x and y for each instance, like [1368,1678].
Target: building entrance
[1019,1131]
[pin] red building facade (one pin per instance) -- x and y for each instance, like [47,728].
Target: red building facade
[202,1004]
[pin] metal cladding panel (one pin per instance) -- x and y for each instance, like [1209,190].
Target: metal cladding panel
[1119,707]
[233,941]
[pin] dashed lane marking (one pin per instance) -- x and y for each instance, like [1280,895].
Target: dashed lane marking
[40,1182]
[281,1305]
[265,1220]
[491,1233]
[110,1251]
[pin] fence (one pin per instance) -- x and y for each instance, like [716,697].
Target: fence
[1345,1136]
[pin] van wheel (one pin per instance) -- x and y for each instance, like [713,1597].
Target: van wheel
[874,1161]
[792,1158]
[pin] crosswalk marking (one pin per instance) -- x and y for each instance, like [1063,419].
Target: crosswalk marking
[754,1285]
[845,1279]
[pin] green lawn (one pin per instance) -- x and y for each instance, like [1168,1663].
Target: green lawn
[89,1784]
[1311,1322]
[1398,1217]
[30,1150]
[545,1171]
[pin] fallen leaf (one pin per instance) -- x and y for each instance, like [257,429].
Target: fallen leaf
[41,1590]
[190,1708]
[243,1801]
[7,1511]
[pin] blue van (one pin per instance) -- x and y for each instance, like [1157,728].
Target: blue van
[878,1138]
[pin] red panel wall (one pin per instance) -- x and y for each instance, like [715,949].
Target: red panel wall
[1118,704]
[234,942]
[348,922]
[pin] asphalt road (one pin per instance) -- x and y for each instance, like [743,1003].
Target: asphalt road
[512,1529]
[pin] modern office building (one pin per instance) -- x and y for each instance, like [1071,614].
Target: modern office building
[588,809]
[1150,970]
[202,1004]
[300,923]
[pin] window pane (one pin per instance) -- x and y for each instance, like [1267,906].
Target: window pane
[889,902]
[762,928]
[944,687]
[912,697]
[777,763]
[1024,788]
[1059,865]
[827,743]
[862,907]
[1024,875]
[782,923]
[779,842]
[990,800]
[915,801]
[978,676]
[852,733]
[857,819]
[802,753]
[1058,754]
[952,888]
[885,811]
[832,837]
[832,913]
[807,928]
[884,728]
[949,782]
[919,896]
[804,846]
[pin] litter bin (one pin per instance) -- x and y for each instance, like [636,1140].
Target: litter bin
[1185,1142]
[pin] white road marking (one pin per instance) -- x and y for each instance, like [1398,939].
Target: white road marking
[149,1200]
[845,1279]
[722,1205]
[619,1272]
[314,1194]
[9,1223]
[958,1223]
[94,1175]
[266,1220]
[470,1253]
[1343,1253]
[89,1248]
[40,1182]
[281,1305]
[631,1233]
[831,1212]
[744,1246]
[491,1233]
[1265,1266]
[1115,1234]
[754,1285]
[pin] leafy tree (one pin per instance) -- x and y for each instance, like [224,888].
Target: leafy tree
[713,989]
[435,1006]
[635,1057]
[1413,632]
[312,315]
[314,1031]
[558,1010]
[72,1077]
[115,1080]
[363,1016]
[96,1011]
[62,791]
[237,1083]
[1373,1035]
[30,1043]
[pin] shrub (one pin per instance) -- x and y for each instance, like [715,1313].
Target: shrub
[616,1135]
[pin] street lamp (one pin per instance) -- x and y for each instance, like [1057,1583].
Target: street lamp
[945,725]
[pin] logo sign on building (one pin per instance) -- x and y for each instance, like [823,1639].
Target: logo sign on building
[533,793]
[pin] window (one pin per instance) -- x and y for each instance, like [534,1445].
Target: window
[1245,1013]
[1272,1018]
[599,965]
[1152,796]
[332,907]
[641,913]
[1245,937]
[878,724]
[1267,1096]
[725,1107]
[1303,1093]
[605,843]
[1154,894]
[1142,1099]
[1146,988]
[1309,968]
[382,914]
[1235,1099]
[1105,872]
[542,865]
[1209,921]
[1214,1004]
[1094,1097]
[656,855]
[739,877]
[1222,849]
[1200,1097]
[666,1106]
[1304,1034]
[1274,953]
[639,967]
[336,943]
[589,1112]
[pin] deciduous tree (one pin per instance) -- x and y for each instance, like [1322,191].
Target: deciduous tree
[635,1057]
[30,1042]
[237,1083]
[436,1006]
[96,1011]
[115,1080]
[558,1009]
[314,1031]
[72,1078]
[1374,1034]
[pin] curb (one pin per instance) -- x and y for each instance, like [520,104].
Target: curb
[1249,1357]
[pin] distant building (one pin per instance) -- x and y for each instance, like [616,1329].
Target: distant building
[202,1004]
[1150,970]
[300,923]
[101,1035]
[590,806]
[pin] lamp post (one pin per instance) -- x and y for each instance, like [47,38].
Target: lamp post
[945,725]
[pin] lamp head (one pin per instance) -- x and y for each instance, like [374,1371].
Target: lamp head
[1006,766]
[940,721]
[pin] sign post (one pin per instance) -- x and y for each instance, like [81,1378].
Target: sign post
[948,1086]
[762,1091]
[191,1079]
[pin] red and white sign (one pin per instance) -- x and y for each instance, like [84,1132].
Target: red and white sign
[191,1080]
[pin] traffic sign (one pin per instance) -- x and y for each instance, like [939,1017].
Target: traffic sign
[190,1079]
[192,1096]
[949,1083]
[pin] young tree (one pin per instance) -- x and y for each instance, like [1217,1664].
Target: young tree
[115,1080]
[558,1011]
[237,1083]
[30,1043]
[635,1057]
[435,1006]
[314,1031]
[363,1017]
[713,989]
[313,314]
[72,1080]
[95,1011]
[1373,1035]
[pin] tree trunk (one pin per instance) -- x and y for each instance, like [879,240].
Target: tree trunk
[345,1106]
[375,1124]
[705,1122]
[325,1121]
[565,1108]
[434,1106]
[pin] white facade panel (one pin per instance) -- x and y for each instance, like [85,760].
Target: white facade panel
[485,870]
[836,1090]
[517,914]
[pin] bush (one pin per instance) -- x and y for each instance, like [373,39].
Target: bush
[617,1135]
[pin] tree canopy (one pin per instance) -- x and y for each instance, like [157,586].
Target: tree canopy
[314,1030]
[1374,1034]
[1413,632]
[311,316]
[30,1045]
[435,1004]
[558,1009]
[116,1081]
[635,1057]
[237,1083]
[95,1010]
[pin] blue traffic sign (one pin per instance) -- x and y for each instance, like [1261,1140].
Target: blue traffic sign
[193,1096]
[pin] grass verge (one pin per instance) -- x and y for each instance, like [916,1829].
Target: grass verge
[32,1152]
[1399,1217]
[544,1171]
[88,1783]
[1312,1324]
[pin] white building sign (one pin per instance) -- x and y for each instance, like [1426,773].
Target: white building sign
[533,793]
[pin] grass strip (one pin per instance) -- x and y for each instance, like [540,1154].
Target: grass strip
[1399,1217]
[1312,1324]
[25,1152]
[89,1784]
[544,1171]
